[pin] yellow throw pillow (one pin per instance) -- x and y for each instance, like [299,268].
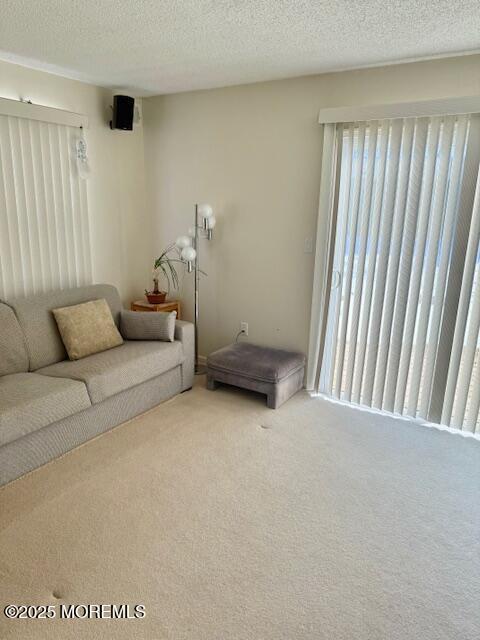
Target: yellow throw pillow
[87,328]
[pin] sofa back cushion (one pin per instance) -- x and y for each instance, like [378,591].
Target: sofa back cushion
[13,354]
[43,341]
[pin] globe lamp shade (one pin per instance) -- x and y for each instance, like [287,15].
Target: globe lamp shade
[205,211]
[188,254]
[183,242]
[211,222]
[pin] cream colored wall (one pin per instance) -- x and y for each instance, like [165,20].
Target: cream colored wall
[116,190]
[254,153]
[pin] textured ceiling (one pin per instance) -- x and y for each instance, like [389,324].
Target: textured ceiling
[163,46]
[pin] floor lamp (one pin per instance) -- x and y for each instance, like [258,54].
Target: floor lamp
[189,246]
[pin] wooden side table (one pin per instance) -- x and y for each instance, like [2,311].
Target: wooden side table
[169,305]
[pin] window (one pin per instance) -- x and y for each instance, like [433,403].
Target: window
[44,226]
[402,326]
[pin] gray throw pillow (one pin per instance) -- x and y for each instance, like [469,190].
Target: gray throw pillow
[148,325]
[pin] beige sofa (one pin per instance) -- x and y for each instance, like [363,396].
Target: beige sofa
[49,405]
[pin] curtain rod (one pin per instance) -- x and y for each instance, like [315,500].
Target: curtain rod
[31,111]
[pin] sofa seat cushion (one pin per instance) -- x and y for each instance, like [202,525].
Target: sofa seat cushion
[110,372]
[29,401]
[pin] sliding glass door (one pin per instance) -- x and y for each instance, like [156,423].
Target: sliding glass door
[402,328]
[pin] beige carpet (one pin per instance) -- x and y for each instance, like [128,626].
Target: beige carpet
[229,521]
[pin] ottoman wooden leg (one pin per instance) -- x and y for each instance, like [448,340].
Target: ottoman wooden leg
[212,384]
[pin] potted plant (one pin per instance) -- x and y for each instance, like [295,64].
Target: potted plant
[164,264]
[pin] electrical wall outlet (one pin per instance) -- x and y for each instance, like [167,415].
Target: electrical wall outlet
[244,328]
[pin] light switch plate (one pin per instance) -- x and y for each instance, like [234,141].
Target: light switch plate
[308,245]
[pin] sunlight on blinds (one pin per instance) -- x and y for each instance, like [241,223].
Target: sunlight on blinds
[402,331]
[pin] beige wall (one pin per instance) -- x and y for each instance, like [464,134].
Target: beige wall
[254,153]
[116,189]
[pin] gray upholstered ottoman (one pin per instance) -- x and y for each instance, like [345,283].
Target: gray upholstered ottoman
[275,372]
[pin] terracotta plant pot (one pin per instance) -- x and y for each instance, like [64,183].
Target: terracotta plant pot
[156,298]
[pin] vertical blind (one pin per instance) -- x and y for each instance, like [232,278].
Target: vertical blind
[402,328]
[44,227]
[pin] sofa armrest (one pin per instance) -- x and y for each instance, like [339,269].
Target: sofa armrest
[184,332]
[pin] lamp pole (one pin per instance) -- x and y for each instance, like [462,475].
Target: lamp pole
[189,248]
[198,368]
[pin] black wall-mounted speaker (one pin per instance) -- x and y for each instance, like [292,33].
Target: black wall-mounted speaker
[123,107]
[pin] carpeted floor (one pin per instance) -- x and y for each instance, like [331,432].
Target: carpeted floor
[230,521]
